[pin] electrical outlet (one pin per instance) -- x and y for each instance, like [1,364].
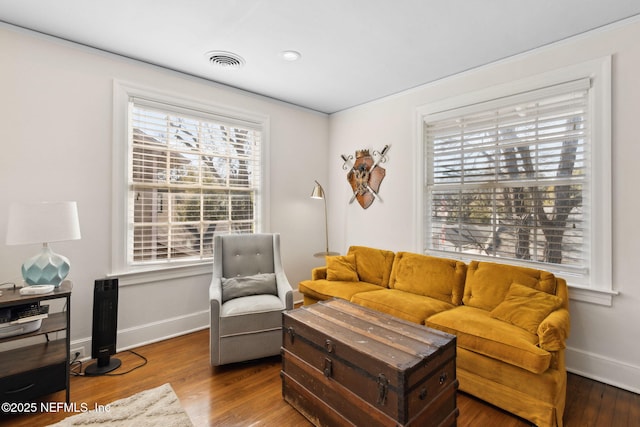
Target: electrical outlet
[79,350]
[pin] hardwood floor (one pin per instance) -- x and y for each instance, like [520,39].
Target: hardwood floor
[249,394]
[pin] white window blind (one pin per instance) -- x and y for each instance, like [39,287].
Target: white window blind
[191,175]
[510,177]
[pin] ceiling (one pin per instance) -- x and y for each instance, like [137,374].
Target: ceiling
[353,51]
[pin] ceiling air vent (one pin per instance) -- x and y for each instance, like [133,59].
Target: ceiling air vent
[225,60]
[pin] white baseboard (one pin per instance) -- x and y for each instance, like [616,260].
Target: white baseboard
[151,332]
[162,330]
[603,369]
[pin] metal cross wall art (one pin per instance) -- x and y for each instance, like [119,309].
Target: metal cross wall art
[365,175]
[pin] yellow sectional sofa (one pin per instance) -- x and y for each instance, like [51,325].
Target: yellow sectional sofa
[511,322]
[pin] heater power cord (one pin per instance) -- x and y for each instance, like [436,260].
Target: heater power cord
[75,363]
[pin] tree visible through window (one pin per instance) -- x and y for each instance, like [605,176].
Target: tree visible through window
[509,178]
[190,176]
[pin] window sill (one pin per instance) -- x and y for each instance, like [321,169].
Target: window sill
[590,295]
[161,273]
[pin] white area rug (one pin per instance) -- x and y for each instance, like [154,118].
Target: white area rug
[155,407]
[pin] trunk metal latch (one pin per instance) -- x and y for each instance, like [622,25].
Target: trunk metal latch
[328,367]
[383,387]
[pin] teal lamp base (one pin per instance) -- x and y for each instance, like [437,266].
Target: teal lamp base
[46,268]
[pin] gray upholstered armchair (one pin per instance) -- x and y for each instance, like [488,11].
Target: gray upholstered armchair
[248,293]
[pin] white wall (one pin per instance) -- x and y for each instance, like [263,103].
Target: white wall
[603,343]
[56,121]
[57,129]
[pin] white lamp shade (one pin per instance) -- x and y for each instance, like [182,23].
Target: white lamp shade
[42,222]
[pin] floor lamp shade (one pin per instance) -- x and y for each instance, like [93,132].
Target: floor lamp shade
[43,223]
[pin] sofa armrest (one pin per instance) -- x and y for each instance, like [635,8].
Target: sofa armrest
[319,273]
[554,330]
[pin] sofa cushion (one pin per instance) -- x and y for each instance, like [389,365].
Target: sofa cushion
[342,268]
[487,283]
[324,289]
[373,265]
[477,331]
[526,307]
[411,307]
[434,277]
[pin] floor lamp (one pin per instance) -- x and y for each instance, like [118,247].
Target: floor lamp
[318,193]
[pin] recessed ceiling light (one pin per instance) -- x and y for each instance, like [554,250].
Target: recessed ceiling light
[225,60]
[290,55]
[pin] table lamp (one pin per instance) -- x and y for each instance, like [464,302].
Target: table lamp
[43,222]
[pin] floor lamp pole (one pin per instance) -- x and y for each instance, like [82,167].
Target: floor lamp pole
[318,193]
[326,226]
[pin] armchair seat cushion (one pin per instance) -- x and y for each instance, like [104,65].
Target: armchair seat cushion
[325,289]
[477,331]
[405,305]
[242,315]
[250,305]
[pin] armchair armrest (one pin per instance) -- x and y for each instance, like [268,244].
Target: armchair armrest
[215,290]
[285,291]
[319,273]
[215,303]
[554,330]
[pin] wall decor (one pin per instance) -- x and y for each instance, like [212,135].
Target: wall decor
[365,175]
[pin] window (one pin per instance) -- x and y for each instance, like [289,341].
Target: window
[191,173]
[513,178]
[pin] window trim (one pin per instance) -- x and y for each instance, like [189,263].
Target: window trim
[122,92]
[600,289]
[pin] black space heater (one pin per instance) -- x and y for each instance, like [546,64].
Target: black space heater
[105,324]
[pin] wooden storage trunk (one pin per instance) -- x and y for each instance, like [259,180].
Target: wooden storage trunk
[343,364]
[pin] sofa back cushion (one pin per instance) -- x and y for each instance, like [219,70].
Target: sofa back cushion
[373,265]
[434,277]
[487,283]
